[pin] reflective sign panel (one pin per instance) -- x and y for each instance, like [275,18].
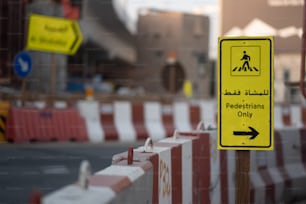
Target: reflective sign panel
[245,93]
[52,34]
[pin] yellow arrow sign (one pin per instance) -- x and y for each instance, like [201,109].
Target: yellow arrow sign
[245,93]
[52,34]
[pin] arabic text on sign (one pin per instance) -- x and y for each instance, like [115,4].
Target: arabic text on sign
[246,93]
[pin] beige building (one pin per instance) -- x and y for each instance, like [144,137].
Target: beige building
[278,18]
[164,37]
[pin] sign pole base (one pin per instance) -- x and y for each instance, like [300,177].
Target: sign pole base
[242,178]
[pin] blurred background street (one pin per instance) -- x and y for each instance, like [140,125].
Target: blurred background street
[86,79]
[28,168]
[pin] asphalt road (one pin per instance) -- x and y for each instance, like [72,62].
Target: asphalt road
[25,168]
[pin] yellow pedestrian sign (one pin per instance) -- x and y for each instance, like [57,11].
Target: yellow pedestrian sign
[245,93]
[52,34]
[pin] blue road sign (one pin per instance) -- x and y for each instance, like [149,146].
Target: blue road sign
[22,64]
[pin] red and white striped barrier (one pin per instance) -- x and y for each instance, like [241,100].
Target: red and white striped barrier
[176,178]
[134,121]
[277,176]
[188,168]
[126,121]
[173,170]
[119,183]
[89,111]
[48,124]
[283,171]
[289,116]
[118,121]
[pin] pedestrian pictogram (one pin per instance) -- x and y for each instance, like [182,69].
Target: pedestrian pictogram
[245,61]
[245,93]
[246,64]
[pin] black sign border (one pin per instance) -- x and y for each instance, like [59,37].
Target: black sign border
[220,96]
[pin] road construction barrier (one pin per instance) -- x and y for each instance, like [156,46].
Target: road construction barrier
[188,168]
[182,168]
[281,172]
[173,170]
[118,183]
[289,116]
[126,121]
[277,176]
[4,109]
[134,121]
[47,124]
[89,110]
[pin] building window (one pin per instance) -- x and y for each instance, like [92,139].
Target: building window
[294,95]
[286,75]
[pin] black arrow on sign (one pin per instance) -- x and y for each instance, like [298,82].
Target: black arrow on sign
[75,30]
[252,133]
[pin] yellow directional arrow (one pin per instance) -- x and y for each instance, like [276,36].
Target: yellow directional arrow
[52,34]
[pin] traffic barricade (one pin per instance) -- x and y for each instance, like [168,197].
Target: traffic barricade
[118,183]
[108,121]
[182,167]
[208,113]
[206,166]
[136,121]
[73,125]
[117,121]
[22,125]
[31,124]
[277,176]
[4,109]
[153,120]
[167,118]
[89,110]
[123,121]
[43,125]
[289,116]
[138,118]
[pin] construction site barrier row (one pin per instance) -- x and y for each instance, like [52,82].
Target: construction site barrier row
[122,120]
[44,125]
[188,168]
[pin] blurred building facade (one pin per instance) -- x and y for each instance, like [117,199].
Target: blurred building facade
[12,36]
[43,64]
[164,36]
[109,52]
[278,18]
[13,28]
